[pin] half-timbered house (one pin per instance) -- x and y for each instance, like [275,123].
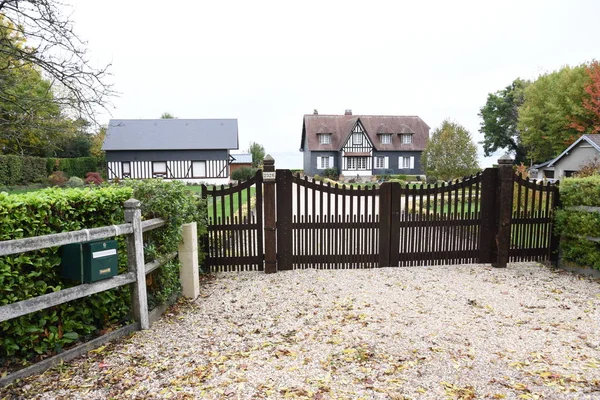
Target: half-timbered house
[363,144]
[184,149]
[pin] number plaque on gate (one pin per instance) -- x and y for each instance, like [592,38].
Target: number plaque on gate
[269,175]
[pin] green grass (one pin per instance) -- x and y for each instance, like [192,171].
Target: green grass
[22,189]
[228,199]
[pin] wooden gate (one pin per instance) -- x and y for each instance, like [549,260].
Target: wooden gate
[324,226]
[234,241]
[532,233]
[492,217]
[432,224]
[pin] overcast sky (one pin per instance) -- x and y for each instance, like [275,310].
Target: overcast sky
[267,63]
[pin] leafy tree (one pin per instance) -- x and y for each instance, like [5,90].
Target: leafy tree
[32,120]
[591,102]
[258,154]
[58,53]
[500,119]
[97,141]
[167,115]
[450,152]
[552,103]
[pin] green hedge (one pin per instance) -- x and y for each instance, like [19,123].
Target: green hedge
[574,226]
[36,273]
[16,170]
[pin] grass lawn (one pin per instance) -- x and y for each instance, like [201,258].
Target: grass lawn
[218,204]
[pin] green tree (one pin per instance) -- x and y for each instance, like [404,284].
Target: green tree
[552,103]
[32,120]
[450,152]
[500,117]
[258,154]
[167,115]
[56,52]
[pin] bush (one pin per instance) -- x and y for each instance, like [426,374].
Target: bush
[33,274]
[331,173]
[93,178]
[575,226]
[317,178]
[74,182]
[58,178]
[243,174]
[17,170]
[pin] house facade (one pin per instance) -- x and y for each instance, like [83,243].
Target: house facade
[191,150]
[240,161]
[584,150]
[363,144]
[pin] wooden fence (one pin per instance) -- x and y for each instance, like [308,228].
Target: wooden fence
[135,276]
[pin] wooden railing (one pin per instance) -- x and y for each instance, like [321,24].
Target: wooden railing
[135,276]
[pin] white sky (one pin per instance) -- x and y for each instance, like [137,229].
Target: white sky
[267,63]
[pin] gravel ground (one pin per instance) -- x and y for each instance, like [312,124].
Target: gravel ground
[458,332]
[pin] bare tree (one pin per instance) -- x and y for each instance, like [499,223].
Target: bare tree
[54,47]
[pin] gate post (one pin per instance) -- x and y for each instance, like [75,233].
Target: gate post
[555,237]
[488,212]
[135,263]
[284,219]
[505,180]
[389,224]
[269,214]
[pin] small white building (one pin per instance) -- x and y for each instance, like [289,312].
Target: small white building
[583,151]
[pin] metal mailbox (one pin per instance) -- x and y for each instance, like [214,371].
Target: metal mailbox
[89,261]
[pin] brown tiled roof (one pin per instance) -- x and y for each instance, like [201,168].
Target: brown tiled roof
[340,127]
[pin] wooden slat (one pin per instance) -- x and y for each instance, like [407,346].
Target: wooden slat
[65,295]
[8,247]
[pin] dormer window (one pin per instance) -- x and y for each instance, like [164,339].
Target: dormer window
[406,138]
[357,138]
[325,139]
[385,138]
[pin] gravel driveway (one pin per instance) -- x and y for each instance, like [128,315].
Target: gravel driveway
[458,332]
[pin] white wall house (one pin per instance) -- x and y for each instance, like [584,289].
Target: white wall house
[583,151]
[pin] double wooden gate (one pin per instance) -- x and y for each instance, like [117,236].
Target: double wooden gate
[481,219]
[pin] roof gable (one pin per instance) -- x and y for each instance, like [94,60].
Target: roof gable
[171,134]
[593,140]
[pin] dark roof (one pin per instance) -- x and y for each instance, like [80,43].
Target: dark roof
[171,134]
[340,127]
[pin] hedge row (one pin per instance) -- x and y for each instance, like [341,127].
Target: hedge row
[576,226]
[36,273]
[16,170]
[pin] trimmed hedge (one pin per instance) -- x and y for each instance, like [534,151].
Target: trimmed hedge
[17,170]
[33,274]
[574,226]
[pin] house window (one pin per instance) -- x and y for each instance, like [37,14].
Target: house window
[386,139]
[406,162]
[324,162]
[357,138]
[406,139]
[549,174]
[159,169]
[379,162]
[362,163]
[325,139]
[126,169]
[356,163]
[351,163]
[199,169]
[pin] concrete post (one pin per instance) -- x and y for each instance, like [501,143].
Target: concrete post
[188,257]
[505,181]
[135,263]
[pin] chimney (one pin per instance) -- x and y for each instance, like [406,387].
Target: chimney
[348,112]
[315,112]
